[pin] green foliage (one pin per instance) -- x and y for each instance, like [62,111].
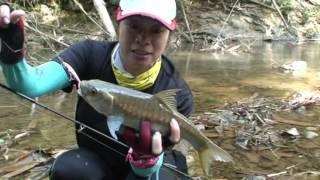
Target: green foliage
[311,13]
[286,6]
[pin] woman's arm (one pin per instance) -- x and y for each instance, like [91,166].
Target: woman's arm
[35,81]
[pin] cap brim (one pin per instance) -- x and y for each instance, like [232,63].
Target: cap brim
[120,16]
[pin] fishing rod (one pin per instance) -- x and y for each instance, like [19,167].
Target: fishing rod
[83,126]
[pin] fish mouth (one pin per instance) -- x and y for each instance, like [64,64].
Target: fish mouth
[80,89]
[80,93]
[86,89]
[83,89]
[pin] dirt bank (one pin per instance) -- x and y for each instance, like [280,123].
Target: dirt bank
[251,20]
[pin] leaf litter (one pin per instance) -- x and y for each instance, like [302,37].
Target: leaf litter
[252,124]
[259,125]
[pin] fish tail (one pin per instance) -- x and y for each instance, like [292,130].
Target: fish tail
[205,159]
[210,153]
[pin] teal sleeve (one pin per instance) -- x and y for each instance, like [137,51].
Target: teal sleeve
[35,81]
[146,172]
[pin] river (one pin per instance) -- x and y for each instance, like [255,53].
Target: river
[215,79]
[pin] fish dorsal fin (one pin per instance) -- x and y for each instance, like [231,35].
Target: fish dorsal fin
[168,98]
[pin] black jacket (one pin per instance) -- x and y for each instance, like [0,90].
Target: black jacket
[92,60]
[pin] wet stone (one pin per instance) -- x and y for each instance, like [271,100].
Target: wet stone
[256,178]
[2,142]
[310,134]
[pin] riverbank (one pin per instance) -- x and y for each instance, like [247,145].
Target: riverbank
[211,25]
[232,93]
[222,25]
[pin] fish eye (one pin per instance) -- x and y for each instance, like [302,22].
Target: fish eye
[93,91]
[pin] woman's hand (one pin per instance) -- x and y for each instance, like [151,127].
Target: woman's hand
[146,152]
[11,34]
[147,142]
[7,16]
[174,138]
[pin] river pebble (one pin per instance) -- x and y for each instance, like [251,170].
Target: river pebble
[310,134]
[2,142]
[256,178]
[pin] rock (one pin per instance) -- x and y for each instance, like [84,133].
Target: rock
[310,134]
[2,142]
[295,66]
[256,178]
[200,127]
[291,132]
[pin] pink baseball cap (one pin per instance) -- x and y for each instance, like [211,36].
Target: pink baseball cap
[162,10]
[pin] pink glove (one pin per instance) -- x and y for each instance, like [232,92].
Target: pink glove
[140,155]
[146,155]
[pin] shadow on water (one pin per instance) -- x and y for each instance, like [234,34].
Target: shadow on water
[215,78]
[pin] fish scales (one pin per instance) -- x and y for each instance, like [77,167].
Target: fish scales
[134,106]
[130,106]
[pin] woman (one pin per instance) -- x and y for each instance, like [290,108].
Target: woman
[135,61]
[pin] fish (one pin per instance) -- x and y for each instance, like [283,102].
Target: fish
[133,106]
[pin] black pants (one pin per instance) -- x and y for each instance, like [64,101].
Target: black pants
[83,164]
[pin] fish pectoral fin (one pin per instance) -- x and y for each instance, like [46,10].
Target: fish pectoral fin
[114,123]
[168,98]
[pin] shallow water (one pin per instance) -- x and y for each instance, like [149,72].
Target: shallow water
[219,78]
[215,79]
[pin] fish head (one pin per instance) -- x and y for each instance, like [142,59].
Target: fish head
[96,97]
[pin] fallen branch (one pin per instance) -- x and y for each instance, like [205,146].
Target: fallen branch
[280,14]
[184,35]
[71,30]
[85,12]
[282,172]
[186,21]
[224,23]
[105,17]
[277,174]
[21,170]
[262,4]
[44,34]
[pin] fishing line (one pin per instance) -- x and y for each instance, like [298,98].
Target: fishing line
[83,126]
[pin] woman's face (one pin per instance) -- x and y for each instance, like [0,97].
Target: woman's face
[142,41]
